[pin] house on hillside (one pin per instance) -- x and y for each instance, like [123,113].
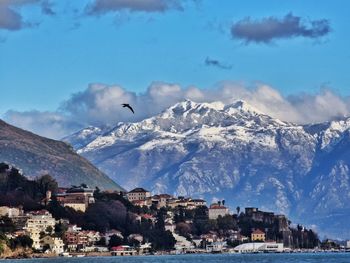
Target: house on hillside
[216,210]
[258,235]
[54,244]
[161,200]
[138,194]
[78,198]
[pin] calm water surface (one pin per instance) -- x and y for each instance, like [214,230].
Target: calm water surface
[237,258]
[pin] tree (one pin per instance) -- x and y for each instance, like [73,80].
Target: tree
[200,220]
[21,241]
[160,239]
[226,222]
[101,242]
[6,225]
[223,202]
[49,229]
[238,209]
[60,229]
[46,247]
[47,183]
[115,241]
[183,229]
[161,215]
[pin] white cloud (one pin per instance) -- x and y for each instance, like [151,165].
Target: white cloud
[48,124]
[101,104]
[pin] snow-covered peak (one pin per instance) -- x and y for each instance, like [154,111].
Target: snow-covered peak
[333,132]
[183,108]
[242,106]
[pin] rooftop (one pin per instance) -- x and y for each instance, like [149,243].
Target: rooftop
[138,190]
[217,206]
[79,190]
[258,232]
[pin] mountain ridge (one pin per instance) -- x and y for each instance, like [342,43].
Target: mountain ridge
[36,155]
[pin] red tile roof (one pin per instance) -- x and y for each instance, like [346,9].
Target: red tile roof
[258,232]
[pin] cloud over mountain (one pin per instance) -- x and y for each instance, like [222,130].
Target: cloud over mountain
[271,28]
[100,104]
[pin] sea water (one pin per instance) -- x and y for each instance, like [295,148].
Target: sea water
[197,258]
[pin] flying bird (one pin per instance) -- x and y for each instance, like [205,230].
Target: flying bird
[128,106]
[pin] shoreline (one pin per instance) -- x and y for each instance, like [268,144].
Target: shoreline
[171,253]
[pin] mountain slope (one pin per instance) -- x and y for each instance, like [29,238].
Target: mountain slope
[36,155]
[233,152]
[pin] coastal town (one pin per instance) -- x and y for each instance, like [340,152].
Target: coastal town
[80,221]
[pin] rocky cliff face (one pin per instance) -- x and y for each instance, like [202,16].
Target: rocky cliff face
[36,155]
[233,152]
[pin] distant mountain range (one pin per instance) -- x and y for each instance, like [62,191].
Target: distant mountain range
[232,152]
[36,155]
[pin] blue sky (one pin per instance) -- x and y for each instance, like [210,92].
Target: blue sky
[59,52]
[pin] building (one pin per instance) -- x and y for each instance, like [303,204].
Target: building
[161,200]
[123,251]
[216,210]
[348,244]
[78,198]
[256,247]
[182,244]
[260,216]
[147,202]
[10,211]
[77,240]
[216,247]
[54,244]
[257,235]
[194,203]
[170,227]
[145,248]
[135,237]
[138,194]
[39,222]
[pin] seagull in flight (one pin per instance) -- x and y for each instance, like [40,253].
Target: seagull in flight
[128,106]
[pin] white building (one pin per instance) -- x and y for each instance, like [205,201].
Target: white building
[39,221]
[255,247]
[348,244]
[216,210]
[55,243]
[138,194]
[182,244]
[216,247]
[10,211]
[169,227]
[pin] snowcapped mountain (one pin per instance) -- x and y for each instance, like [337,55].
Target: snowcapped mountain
[232,152]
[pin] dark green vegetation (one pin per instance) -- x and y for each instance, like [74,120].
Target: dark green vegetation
[17,190]
[34,155]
